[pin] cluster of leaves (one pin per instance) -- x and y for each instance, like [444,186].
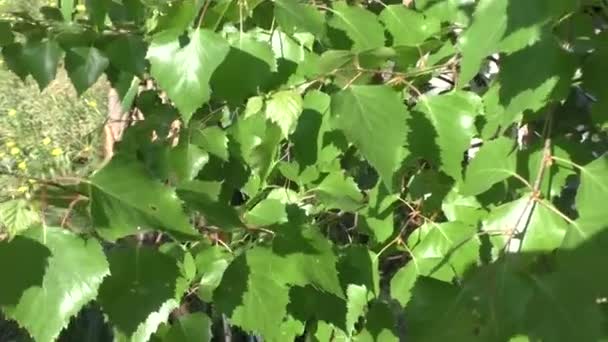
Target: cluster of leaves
[318,183]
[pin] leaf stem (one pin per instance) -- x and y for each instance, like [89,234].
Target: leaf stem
[569,162]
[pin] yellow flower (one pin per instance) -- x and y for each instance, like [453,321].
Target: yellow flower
[56,151]
[22,165]
[80,8]
[22,189]
[15,150]
[92,103]
[12,112]
[46,141]
[9,143]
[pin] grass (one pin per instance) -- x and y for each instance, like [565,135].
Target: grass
[47,134]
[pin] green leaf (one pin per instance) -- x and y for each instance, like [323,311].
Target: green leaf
[380,324]
[98,11]
[25,254]
[356,304]
[254,291]
[408,28]
[338,191]
[11,54]
[211,262]
[258,140]
[184,72]
[67,8]
[247,68]
[74,272]
[437,313]
[453,117]
[451,11]
[194,327]
[284,108]
[266,213]
[373,118]
[41,59]
[442,251]
[186,161]
[294,16]
[253,296]
[503,26]
[457,207]
[125,200]
[175,20]
[140,292]
[594,66]
[212,139]
[541,228]
[204,196]
[378,216]
[495,162]
[308,137]
[127,52]
[511,95]
[359,266]
[17,216]
[6,34]
[361,26]
[299,247]
[84,66]
[592,193]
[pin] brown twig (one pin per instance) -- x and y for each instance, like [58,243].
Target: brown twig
[536,193]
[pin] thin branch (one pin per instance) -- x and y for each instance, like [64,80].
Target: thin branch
[569,162]
[350,82]
[203,12]
[531,203]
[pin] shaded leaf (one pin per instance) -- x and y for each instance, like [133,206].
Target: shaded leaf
[267,212]
[84,66]
[245,70]
[373,119]
[441,251]
[592,193]
[495,162]
[204,196]
[141,291]
[125,200]
[284,108]
[75,270]
[361,26]
[213,140]
[17,216]
[6,34]
[41,59]
[408,28]
[503,26]
[453,118]
[541,229]
[511,95]
[337,191]
[194,327]
[294,16]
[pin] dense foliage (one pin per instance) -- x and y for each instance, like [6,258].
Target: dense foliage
[305,168]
